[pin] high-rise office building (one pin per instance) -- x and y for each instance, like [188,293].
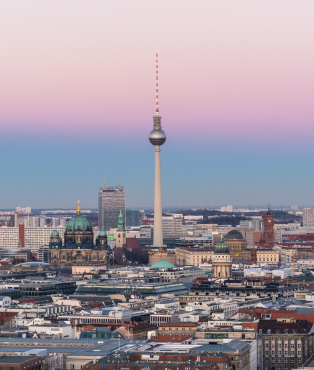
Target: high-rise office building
[157,137]
[42,221]
[55,221]
[133,217]
[17,219]
[110,201]
[172,224]
[308,217]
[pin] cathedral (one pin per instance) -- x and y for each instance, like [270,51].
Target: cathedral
[78,243]
[222,264]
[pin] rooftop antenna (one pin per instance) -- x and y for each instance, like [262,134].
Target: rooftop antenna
[119,181]
[157,105]
[104,181]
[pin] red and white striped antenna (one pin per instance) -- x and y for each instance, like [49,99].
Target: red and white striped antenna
[157,105]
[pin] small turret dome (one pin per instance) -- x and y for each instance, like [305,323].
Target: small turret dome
[55,233]
[102,233]
[221,247]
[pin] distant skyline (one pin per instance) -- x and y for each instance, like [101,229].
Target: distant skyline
[236,87]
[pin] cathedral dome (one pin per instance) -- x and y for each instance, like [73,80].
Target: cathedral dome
[79,223]
[55,233]
[233,234]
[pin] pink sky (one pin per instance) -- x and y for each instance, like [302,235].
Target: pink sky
[244,67]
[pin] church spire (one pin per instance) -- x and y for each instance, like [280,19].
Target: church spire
[121,222]
[78,208]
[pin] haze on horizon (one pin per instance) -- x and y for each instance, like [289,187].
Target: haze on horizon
[77,100]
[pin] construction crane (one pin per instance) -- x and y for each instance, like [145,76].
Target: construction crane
[293,255]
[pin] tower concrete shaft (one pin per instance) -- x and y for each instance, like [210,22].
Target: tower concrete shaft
[157,137]
[158,237]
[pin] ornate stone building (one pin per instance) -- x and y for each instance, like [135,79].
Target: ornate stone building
[78,243]
[222,264]
[237,246]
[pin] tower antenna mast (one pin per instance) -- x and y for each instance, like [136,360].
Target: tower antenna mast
[157,103]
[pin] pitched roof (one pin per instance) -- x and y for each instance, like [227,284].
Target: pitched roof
[299,327]
[179,324]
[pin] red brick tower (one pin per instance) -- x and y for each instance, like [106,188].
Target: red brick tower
[268,227]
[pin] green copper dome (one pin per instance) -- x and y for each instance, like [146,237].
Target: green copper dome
[55,233]
[221,247]
[102,233]
[162,264]
[78,223]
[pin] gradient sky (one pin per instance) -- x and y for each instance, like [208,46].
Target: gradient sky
[77,100]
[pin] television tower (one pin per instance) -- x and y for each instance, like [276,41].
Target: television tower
[157,137]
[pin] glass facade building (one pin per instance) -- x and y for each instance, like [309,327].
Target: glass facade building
[110,201]
[147,289]
[133,217]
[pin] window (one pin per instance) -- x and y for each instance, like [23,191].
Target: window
[286,353]
[279,345]
[279,353]
[105,367]
[299,360]
[273,353]
[299,345]
[279,360]
[273,360]
[266,345]
[286,345]
[266,360]
[266,353]
[292,353]
[292,345]
[279,367]
[299,353]
[292,360]
[286,360]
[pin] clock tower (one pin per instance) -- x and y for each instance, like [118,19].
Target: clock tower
[268,227]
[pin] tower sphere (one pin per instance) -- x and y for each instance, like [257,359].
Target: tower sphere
[157,137]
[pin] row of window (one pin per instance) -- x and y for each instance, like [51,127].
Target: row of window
[285,345]
[286,353]
[271,260]
[286,360]
[285,339]
[279,367]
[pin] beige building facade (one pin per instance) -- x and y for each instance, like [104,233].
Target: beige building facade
[269,256]
[193,256]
